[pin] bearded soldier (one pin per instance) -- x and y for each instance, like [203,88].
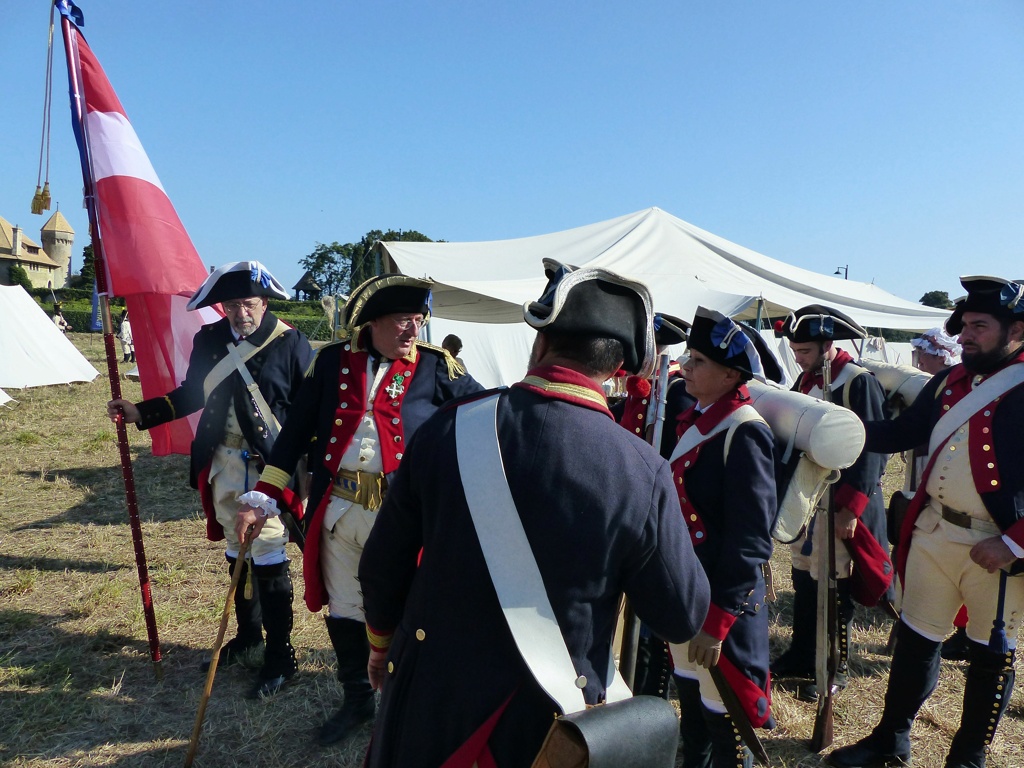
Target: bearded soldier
[962,541]
[245,371]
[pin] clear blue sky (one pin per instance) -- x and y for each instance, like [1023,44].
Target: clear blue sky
[888,136]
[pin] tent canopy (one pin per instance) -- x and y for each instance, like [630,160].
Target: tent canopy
[33,350]
[684,266]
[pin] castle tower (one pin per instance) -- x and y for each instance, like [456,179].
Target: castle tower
[57,237]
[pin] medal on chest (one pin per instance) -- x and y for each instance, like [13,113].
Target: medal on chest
[396,387]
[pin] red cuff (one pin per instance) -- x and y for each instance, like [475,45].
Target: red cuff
[849,497]
[272,491]
[379,640]
[1016,532]
[718,622]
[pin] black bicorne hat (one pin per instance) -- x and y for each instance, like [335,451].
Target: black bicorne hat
[816,322]
[596,302]
[769,362]
[669,330]
[996,296]
[387,295]
[236,280]
[726,342]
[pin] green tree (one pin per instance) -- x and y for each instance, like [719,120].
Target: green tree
[19,276]
[364,261]
[330,266]
[338,268]
[938,299]
[88,271]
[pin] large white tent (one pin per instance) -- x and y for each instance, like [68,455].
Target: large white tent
[33,351]
[483,283]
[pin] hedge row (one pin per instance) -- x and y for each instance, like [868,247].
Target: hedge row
[316,328]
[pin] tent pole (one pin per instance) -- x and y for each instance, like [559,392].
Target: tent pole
[760,306]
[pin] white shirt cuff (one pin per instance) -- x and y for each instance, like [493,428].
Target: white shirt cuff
[260,501]
[1014,547]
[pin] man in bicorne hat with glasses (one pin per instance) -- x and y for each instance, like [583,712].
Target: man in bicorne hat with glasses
[362,401]
[249,346]
[962,541]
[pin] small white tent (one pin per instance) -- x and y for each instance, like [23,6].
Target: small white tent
[4,398]
[487,282]
[33,351]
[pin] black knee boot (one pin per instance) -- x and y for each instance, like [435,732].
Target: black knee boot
[694,737]
[798,659]
[279,666]
[249,617]
[912,678]
[653,666]
[353,650]
[844,615]
[990,680]
[727,747]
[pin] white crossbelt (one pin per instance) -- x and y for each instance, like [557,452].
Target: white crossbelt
[512,564]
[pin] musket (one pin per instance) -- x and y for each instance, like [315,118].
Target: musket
[197,728]
[827,650]
[738,715]
[630,624]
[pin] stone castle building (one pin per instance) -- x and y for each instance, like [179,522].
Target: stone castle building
[48,265]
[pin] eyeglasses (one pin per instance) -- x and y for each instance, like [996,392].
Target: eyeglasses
[250,304]
[405,323]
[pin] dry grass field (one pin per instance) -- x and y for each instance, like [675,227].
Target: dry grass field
[77,687]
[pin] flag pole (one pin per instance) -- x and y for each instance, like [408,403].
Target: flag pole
[127,472]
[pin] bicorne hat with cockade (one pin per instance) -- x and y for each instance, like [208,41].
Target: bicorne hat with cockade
[236,280]
[996,296]
[595,302]
[816,322]
[769,362]
[669,330]
[726,342]
[386,295]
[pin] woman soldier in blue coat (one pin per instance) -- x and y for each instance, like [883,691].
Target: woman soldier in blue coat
[723,467]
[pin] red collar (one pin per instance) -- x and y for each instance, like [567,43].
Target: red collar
[811,380]
[712,416]
[558,383]
[961,376]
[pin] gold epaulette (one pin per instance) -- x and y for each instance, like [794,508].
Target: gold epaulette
[455,368]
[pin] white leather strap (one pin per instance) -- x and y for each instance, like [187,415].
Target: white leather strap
[995,386]
[510,560]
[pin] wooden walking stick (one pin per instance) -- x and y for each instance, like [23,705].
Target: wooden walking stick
[218,643]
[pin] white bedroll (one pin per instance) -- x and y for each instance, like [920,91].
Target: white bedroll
[828,437]
[902,383]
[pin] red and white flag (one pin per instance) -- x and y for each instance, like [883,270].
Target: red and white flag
[148,256]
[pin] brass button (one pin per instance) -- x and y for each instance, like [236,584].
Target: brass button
[337,422]
[344,370]
[581,681]
[420,635]
[398,456]
[398,438]
[344,405]
[327,457]
[395,420]
[391,666]
[344,386]
[348,347]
